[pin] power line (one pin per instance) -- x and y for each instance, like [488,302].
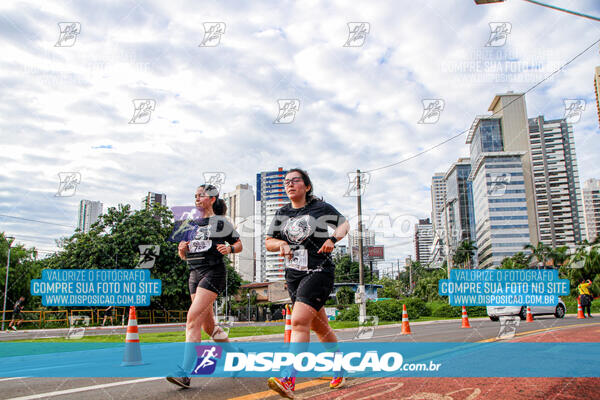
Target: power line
[35,220]
[466,130]
[563,10]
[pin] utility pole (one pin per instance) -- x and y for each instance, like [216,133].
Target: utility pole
[9,240]
[410,283]
[360,296]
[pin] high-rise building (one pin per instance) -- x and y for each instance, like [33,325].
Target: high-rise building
[89,211]
[353,239]
[597,90]
[240,209]
[503,185]
[557,191]
[423,241]
[512,111]
[459,214]
[438,200]
[270,195]
[155,198]
[368,238]
[591,208]
[340,250]
[502,227]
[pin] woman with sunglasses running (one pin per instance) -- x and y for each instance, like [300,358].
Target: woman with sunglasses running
[203,251]
[299,233]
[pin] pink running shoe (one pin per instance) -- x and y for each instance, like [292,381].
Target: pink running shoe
[337,382]
[284,386]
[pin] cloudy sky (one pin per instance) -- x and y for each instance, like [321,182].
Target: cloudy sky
[67,101]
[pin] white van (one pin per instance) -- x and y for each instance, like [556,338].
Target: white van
[495,312]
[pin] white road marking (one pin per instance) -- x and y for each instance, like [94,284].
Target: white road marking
[84,389]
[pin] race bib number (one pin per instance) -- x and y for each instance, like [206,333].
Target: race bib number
[199,246]
[298,261]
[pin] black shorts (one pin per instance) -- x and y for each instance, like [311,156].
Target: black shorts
[212,279]
[311,288]
[17,314]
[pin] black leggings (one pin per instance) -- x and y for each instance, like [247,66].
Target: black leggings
[589,309]
[587,300]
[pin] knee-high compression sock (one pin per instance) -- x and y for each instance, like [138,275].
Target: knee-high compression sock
[295,348]
[334,347]
[189,357]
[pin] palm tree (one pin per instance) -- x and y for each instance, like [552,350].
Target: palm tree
[583,264]
[464,253]
[540,252]
[559,256]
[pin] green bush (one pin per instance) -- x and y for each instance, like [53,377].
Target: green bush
[416,307]
[391,310]
[388,310]
[442,309]
[445,310]
[477,311]
[571,303]
[349,313]
[344,295]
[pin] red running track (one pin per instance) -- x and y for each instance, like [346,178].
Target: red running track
[484,388]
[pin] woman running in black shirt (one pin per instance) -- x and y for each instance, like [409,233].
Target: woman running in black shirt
[299,233]
[203,250]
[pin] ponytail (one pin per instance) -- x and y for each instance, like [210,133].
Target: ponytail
[219,206]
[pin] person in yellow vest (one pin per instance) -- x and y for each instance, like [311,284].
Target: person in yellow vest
[585,296]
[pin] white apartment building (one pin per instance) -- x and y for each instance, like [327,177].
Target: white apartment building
[270,195]
[556,179]
[240,209]
[89,211]
[591,208]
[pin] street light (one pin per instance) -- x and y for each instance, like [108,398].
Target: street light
[248,294]
[10,240]
[539,3]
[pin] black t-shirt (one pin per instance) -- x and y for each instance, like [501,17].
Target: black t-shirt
[305,229]
[204,238]
[18,306]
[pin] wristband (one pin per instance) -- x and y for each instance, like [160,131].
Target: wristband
[333,239]
[232,249]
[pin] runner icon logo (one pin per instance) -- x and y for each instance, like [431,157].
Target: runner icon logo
[207,359]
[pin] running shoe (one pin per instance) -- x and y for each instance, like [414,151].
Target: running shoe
[14,328]
[180,378]
[337,382]
[284,386]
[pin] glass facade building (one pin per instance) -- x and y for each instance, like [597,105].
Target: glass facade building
[458,211]
[487,137]
[500,211]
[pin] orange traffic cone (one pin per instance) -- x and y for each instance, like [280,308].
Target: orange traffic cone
[287,336]
[580,314]
[405,325]
[133,352]
[529,315]
[465,318]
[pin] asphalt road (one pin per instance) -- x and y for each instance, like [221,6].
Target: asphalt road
[256,388]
